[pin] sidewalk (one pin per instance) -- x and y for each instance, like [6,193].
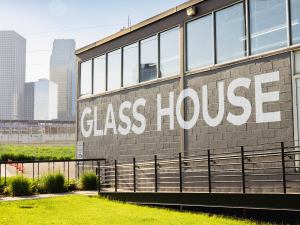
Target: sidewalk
[32,197]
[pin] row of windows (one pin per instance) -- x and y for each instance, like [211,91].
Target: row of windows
[215,38]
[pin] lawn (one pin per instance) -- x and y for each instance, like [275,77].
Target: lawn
[41,152]
[75,209]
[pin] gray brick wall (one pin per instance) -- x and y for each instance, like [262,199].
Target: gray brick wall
[227,135]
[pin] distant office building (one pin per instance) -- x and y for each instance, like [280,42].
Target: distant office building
[74,94]
[29,101]
[12,75]
[62,69]
[41,100]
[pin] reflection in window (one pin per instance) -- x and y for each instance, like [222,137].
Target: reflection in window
[199,43]
[267,25]
[99,75]
[114,70]
[297,62]
[295,21]
[148,67]
[230,33]
[169,52]
[130,64]
[85,78]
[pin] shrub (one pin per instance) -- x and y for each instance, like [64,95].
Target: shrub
[19,185]
[88,180]
[53,182]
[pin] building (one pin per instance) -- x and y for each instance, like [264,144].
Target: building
[215,79]
[62,68]
[41,98]
[12,75]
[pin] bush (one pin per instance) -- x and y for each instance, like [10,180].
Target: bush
[53,182]
[19,185]
[88,180]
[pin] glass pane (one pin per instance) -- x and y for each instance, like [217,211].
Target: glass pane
[267,25]
[297,62]
[114,70]
[199,43]
[169,52]
[230,33]
[99,74]
[85,78]
[295,21]
[130,64]
[148,70]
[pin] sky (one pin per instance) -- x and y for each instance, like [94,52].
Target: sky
[42,21]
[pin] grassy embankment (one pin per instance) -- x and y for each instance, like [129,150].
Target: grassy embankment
[41,152]
[75,209]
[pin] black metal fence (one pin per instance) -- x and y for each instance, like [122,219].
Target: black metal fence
[267,170]
[35,168]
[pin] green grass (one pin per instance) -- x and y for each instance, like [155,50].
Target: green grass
[42,152]
[75,209]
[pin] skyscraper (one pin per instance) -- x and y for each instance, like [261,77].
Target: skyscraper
[41,100]
[12,75]
[62,68]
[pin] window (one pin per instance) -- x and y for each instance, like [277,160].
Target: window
[268,30]
[169,52]
[295,21]
[199,43]
[230,33]
[99,74]
[85,78]
[148,57]
[114,70]
[130,64]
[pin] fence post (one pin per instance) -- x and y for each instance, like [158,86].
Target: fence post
[180,173]
[35,151]
[38,170]
[78,168]
[134,182]
[5,175]
[208,170]
[99,179]
[33,171]
[243,169]
[68,173]
[155,164]
[116,178]
[283,168]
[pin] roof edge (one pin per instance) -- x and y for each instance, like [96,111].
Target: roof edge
[138,26]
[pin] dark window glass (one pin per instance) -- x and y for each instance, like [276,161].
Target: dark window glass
[230,33]
[169,52]
[114,70]
[295,21]
[130,64]
[148,69]
[199,43]
[99,74]
[267,25]
[86,78]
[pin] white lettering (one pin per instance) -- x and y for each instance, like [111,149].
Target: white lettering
[260,98]
[188,93]
[166,111]
[239,101]
[89,123]
[124,118]
[112,124]
[96,132]
[138,116]
[217,120]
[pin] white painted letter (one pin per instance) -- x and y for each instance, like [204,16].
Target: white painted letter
[124,118]
[260,98]
[89,123]
[217,120]
[188,93]
[166,111]
[239,101]
[138,116]
[112,124]
[96,132]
